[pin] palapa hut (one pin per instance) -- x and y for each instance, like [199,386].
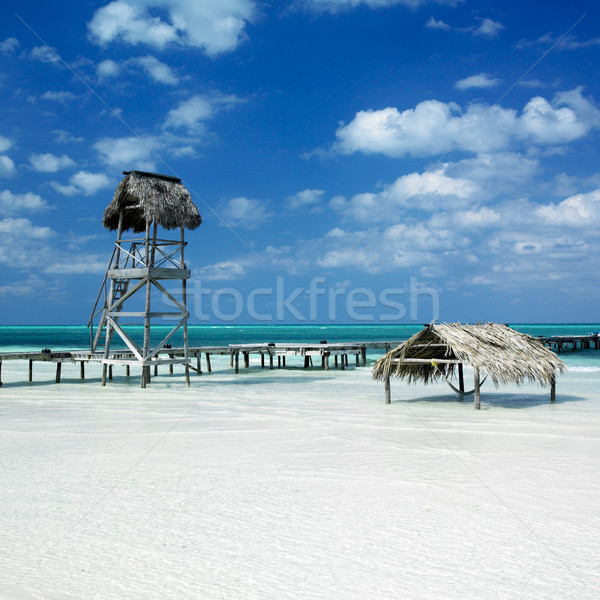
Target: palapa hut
[143,202]
[494,350]
[149,197]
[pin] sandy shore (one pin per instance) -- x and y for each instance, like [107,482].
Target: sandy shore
[296,484]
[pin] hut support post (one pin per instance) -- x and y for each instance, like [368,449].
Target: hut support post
[146,369]
[553,389]
[184,299]
[388,396]
[461,378]
[476,397]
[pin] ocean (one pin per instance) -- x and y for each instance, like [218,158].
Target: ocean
[16,338]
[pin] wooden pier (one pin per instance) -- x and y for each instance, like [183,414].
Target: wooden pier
[271,355]
[325,355]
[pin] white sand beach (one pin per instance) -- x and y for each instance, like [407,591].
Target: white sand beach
[294,484]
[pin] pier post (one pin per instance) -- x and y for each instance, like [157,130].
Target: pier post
[127,370]
[388,395]
[357,359]
[198,364]
[306,361]
[461,378]
[343,361]
[262,360]
[208,367]
[246,360]
[231,358]
[270,361]
[110,371]
[336,361]
[236,360]
[58,370]
[279,361]
[82,370]
[363,354]
[326,360]
[0,373]
[155,370]
[476,397]
[30,370]
[187,375]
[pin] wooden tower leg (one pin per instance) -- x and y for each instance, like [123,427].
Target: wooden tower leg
[388,395]
[461,378]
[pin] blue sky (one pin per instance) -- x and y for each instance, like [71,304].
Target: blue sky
[353,160]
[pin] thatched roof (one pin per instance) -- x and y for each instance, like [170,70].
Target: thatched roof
[506,355]
[151,197]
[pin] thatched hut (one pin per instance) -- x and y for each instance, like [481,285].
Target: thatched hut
[495,350]
[143,197]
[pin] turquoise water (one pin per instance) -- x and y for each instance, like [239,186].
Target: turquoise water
[77,337]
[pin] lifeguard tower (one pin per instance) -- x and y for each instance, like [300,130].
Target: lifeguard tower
[138,271]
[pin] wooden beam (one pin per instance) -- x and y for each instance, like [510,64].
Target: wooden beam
[388,396]
[461,378]
[476,397]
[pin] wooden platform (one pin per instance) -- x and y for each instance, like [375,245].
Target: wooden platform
[325,356]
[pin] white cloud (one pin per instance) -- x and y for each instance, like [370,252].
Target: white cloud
[215,25]
[434,127]
[579,210]
[50,163]
[433,23]
[430,191]
[64,137]
[193,112]
[306,199]
[24,228]
[11,204]
[487,28]
[222,271]
[107,69]
[61,97]
[44,54]
[158,71]
[5,143]
[566,42]
[84,183]
[243,212]
[481,80]
[126,153]
[7,166]
[26,287]
[9,45]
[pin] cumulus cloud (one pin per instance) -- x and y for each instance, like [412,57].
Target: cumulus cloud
[50,163]
[44,54]
[566,42]
[62,96]
[484,28]
[107,69]
[32,284]
[84,183]
[24,228]
[481,80]
[157,70]
[7,166]
[9,45]
[579,210]
[430,191]
[193,112]
[131,152]
[215,25]
[11,204]
[306,199]
[222,271]
[243,212]
[5,143]
[434,127]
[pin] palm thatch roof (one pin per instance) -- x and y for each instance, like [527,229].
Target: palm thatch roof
[506,355]
[150,197]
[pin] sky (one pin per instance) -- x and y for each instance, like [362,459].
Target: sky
[354,161]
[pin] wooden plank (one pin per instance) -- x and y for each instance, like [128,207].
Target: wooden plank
[148,272]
